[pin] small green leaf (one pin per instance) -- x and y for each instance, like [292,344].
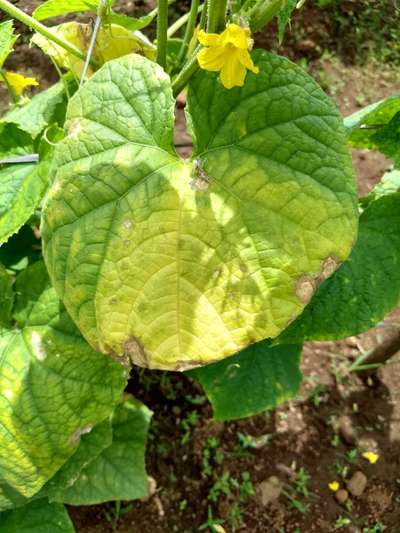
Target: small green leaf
[118,473]
[130,23]
[387,139]
[364,124]
[43,109]
[53,386]
[389,184]
[258,378]
[6,297]
[7,40]
[54,8]
[284,17]
[37,517]
[21,188]
[365,288]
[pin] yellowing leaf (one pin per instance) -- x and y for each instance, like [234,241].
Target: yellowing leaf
[112,41]
[18,82]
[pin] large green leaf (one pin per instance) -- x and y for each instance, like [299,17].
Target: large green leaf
[53,386]
[21,189]
[364,124]
[258,378]
[7,40]
[180,263]
[54,8]
[37,517]
[118,473]
[365,288]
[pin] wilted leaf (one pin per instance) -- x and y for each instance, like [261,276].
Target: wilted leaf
[112,41]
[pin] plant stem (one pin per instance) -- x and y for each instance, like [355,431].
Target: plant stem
[194,8]
[186,73]
[18,14]
[216,15]
[162,27]
[182,21]
[203,18]
[379,355]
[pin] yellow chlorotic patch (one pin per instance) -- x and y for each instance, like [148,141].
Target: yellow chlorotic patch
[334,486]
[227,52]
[371,457]
[18,82]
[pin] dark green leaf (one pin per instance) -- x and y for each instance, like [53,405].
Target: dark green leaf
[284,17]
[118,473]
[37,517]
[258,378]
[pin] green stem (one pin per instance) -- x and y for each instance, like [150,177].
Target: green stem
[181,22]
[194,8]
[216,15]
[18,14]
[186,73]
[162,27]
[203,18]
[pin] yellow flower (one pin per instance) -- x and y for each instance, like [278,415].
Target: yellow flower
[371,457]
[18,82]
[334,486]
[228,53]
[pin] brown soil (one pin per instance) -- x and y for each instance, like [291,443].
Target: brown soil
[301,435]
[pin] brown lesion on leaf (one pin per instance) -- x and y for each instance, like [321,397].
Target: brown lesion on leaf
[200,181]
[134,349]
[75,437]
[307,284]
[305,287]
[182,366]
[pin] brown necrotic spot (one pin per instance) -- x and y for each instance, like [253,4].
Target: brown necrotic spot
[200,181]
[305,287]
[134,349]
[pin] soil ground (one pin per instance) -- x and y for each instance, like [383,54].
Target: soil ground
[199,466]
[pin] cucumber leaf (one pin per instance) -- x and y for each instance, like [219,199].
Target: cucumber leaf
[258,378]
[234,242]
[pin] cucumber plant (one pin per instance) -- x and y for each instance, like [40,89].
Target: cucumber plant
[115,251]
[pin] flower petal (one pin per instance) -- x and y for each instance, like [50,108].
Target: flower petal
[209,39]
[245,59]
[233,73]
[236,35]
[212,58]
